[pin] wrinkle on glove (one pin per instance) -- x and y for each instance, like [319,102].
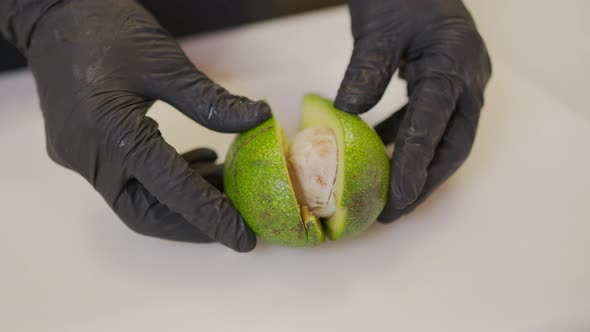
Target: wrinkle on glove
[437,49]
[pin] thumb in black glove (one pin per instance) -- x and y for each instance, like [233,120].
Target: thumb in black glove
[440,53]
[99,65]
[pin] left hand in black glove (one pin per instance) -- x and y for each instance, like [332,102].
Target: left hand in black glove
[440,53]
[98,67]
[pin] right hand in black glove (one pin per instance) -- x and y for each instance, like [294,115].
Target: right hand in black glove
[99,66]
[439,52]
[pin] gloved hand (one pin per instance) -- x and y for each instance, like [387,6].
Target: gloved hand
[444,60]
[99,65]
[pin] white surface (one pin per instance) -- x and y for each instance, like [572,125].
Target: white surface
[545,40]
[503,246]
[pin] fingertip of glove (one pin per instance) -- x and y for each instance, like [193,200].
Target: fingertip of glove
[405,196]
[247,246]
[200,155]
[232,230]
[407,179]
[390,215]
[253,114]
[246,240]
[393,210]
[352,104]
[399,200]
[261,111]
[233,233]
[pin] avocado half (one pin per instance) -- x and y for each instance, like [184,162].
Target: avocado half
[258,183]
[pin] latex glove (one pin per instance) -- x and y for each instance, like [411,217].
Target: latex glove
[99,65]
[440,53]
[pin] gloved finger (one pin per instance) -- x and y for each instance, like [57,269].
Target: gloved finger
[204,101]
[166,175]
[200,155]
[204,168]
[452,151]
[373,62]
[142,213]
[211,172]
[432,102]
[388,128]
[202,161]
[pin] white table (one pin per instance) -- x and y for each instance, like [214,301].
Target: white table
[503,246]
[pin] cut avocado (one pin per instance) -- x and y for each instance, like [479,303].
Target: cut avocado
[258,183]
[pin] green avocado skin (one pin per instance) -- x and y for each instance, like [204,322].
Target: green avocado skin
[256,180]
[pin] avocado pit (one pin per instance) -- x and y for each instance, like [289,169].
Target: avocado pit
[312,160]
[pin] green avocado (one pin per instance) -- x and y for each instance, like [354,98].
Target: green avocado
[258,183]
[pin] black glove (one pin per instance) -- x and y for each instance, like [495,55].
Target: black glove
[444,60]
[99,65]
[203,161]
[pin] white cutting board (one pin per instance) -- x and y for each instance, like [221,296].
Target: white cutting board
[502,246]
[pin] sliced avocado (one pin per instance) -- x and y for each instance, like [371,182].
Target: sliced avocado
[258,183]
[362,180]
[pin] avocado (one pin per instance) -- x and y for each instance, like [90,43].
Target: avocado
[333,180]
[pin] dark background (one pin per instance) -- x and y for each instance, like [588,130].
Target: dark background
[184,17]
